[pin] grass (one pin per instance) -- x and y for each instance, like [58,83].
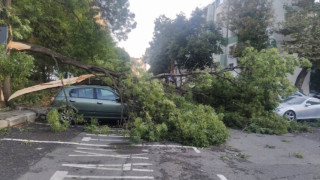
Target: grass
[4,130]
[285,140]
[298,155]
[241,155]
[269,146]
[224,158]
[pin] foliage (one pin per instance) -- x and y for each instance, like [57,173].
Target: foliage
[269,123]
[94,127]
[18,66]
[35,99]
[302,24]
[159,115]
[118,15]
[296,127]
[53,118]
[188,42]
[248,99]
[249,20]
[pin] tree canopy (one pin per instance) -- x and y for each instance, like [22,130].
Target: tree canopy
[188,42]
[249,20]
[80,29]
[302,25]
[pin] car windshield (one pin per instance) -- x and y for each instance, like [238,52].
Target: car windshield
[295,101]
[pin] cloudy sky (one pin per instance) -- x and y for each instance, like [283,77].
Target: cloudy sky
[146,12]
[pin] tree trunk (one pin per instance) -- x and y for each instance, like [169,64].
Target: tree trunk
[7,89]
[300,79]
[8,3]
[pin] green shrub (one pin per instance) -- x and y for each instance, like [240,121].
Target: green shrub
[158,115]
[53,118]
[296,127]
[270,123]
[94,127]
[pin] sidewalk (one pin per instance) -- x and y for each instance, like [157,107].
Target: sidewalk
[14,117]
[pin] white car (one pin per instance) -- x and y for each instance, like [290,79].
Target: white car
[299,108]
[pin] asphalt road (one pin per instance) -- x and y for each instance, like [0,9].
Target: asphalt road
[86,156]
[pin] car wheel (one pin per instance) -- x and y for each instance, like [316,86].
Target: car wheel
[290,115]
[67,114]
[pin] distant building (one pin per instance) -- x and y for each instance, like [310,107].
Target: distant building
[214,15]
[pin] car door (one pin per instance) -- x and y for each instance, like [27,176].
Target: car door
[312,110]
[83,99]
[107,104]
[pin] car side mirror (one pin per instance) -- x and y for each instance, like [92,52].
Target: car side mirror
[118,99]
[308,104]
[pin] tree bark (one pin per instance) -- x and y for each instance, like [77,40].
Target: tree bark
[6,89]
[63,59]
[300,79]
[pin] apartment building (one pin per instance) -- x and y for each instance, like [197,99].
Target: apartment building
[215,14]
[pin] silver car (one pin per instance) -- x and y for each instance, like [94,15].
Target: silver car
[299,108]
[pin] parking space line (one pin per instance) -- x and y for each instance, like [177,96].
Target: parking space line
[111,167]
[96,149]
[222,177]
[107,135]
[60,175]
[168,146]
[92,139]
[85,152]
[56,142]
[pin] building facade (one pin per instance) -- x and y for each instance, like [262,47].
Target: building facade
[215,14]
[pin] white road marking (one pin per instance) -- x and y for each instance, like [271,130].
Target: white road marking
[85,152]
[60,175]
[196,149]
[93,145]
[91,139]
[167,146]
[96,149]
[142,170]
[107,135]
[222,177]
[56,142]
[86,139]
[111,167]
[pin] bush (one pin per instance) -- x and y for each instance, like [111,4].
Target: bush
[94,127]
[296,127]
[269,123]
[158,115]
[53,118]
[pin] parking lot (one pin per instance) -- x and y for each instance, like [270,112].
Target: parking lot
[33,152]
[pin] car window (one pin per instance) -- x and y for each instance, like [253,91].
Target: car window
[73,93]
[296,100]
[313,101]
[82,93]
[105,94]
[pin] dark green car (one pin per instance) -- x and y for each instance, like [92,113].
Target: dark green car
[99,102]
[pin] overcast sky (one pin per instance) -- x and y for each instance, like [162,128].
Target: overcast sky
[146,12]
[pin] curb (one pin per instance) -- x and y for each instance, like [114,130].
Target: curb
[17,117]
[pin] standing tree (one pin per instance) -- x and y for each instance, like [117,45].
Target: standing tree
[302,25]
[188,42]
[80,30]
[249,20]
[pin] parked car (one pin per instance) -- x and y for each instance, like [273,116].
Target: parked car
[299,108]
[99,102]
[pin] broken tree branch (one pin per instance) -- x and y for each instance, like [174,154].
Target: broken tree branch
[63,59]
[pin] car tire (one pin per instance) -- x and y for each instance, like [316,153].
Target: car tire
[290,115]
[67,115]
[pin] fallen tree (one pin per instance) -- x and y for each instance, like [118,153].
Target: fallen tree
[19,46]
